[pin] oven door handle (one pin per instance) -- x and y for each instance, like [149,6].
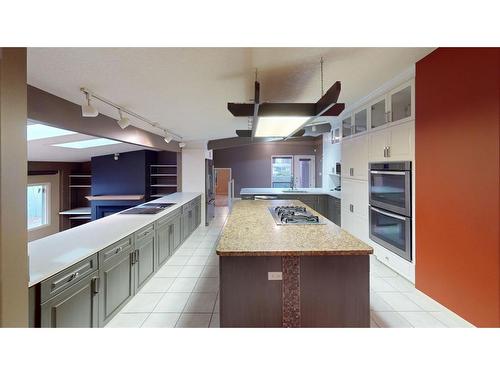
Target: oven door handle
[389,172]
[388,214]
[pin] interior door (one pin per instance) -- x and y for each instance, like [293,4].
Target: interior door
[222,177]
[304,171]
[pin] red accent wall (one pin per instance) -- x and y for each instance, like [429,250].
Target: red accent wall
[457,181]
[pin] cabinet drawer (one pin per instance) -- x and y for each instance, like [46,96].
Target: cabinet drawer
[145,232]
[114,250]
[168,217]
[68,277]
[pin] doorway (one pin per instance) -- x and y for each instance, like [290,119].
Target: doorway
[222,178]
[304,170]
[298,171]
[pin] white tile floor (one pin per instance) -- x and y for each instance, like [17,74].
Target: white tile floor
[185,292]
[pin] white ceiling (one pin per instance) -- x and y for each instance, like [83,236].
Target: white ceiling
[43,149]
[187,89]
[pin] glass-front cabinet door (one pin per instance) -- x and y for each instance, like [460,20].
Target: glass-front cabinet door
[346,127]
[360,121]
[378,114]
[401,103]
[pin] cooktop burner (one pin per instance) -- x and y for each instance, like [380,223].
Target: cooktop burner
[293,215]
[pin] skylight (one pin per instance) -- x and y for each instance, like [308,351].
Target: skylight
[96,142]
[39,131]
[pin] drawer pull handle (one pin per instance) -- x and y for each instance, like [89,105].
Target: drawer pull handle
[73,276]
[118,249]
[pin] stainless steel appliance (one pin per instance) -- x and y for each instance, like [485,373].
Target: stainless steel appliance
[147,209]
[390,206]
[390,186]
[209,191]
[284,215]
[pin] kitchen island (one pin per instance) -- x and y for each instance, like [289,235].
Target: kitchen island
[297,275]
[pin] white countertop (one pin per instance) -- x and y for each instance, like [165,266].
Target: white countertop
[301,191]
[77,211]
[54,253]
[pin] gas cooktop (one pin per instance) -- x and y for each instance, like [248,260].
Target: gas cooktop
[284,215]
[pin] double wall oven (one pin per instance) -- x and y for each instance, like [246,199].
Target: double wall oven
[390,206]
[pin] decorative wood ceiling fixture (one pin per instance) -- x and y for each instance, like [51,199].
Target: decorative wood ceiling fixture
[326,106]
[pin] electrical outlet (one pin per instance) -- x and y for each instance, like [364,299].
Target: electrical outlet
[275,276]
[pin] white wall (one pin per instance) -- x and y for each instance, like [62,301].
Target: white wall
[331,155]
[193,173]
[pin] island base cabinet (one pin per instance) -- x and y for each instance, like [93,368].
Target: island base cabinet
[76,307]
[294,291]
[335,291]
[247,297]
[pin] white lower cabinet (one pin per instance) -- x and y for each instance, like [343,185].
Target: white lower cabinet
[355,225]
[355,197]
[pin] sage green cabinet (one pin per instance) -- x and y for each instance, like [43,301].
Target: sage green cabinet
[144,259]
[116,278]
[163,239]
[75,307]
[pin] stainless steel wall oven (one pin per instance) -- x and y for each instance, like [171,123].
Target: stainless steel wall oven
[390,199]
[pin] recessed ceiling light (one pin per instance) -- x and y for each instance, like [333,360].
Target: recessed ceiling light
[278,126]
[97,142]
[39,131]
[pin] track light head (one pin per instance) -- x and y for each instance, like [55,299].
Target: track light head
[123,122]
[168,137]
[87,109]
[182,145]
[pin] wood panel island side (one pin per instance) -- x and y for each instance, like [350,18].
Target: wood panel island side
[290,275]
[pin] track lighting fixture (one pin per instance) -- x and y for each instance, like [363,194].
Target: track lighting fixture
[182,145]
[168,137]
[123,122]
[87,109]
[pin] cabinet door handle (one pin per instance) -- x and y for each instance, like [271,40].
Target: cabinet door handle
[388,151]
[95,285]
[351,207]
[385,152]
[136,255]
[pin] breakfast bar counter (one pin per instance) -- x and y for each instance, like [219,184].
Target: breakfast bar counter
[290,275]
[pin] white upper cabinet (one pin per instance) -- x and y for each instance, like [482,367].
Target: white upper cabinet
[355,158]
[347,127]
[402,103]
[360,121]
[395,143]
[401,143]
[378,113]
[395,107]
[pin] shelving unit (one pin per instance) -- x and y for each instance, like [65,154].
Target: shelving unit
[79,186]
[163,179]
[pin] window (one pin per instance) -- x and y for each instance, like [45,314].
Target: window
[282,171]
[38,206]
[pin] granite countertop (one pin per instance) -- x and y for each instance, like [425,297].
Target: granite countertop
[251,231]
[54,253]
[281,191]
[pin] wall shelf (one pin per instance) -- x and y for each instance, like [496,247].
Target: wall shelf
[80,217]
[80,186]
